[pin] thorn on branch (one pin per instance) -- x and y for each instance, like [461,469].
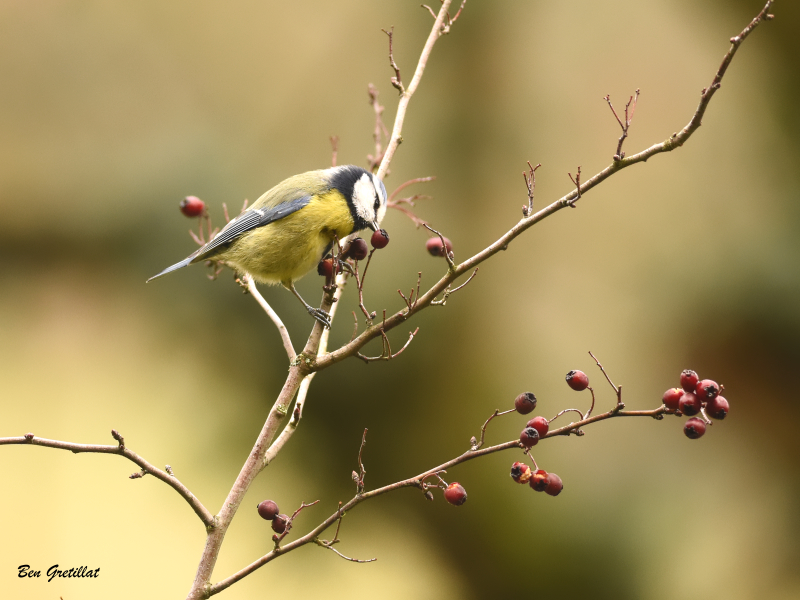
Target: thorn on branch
[397,81]
[630,106]
[530,183]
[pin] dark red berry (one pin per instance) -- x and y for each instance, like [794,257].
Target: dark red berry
[717,408]
[529,437]
[520,472]
[540,424]
[525,403]
[268,510]
[694,428]
[435,248]
[455,494]
[689,404]
[554,484]
[356,249]
[325,267]
[577,380]
[706,390]
[672,397]
[192,206]
[538,480]
[689,380]
[279,523]
[380,239]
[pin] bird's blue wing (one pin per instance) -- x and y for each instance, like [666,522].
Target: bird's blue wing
[250,219]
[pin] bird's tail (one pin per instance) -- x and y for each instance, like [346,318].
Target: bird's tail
[175,267]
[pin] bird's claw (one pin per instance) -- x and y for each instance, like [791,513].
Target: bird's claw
[321,316]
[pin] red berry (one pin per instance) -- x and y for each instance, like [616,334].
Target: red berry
[538,480]
[577,380]
[279,523]
[554,484]
[689,380]
[540,424]
[268,510]
[706,390]
[455,494]
[192,206]
[525,403]
[435,248]
[672,397]
[520,472]
[356,249]
[717,408]
[325,267]
[529,437]
[694,428]
[689,404]
[380,239]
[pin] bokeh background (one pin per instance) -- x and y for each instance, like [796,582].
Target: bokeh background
[110,113]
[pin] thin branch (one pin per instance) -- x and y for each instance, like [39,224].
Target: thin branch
[201,511]
[617,390]
[250,285]
[387,349]
[530,183]
[405,184]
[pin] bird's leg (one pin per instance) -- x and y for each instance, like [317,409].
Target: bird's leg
[319,314]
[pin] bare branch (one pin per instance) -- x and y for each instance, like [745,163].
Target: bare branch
[397,81]
[250,286]
[476,444]
[201,511]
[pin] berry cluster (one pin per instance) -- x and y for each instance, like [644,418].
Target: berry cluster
[696,396]
[355,249]
[269,510]
[535,429]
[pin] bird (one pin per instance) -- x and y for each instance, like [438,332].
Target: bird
[288,230]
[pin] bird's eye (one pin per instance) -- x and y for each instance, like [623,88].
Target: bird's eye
[377,204]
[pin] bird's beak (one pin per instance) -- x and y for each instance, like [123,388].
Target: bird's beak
[374,226]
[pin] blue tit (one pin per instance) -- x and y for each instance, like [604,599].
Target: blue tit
[286,232]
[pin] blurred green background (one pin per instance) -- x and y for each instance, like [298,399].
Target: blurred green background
[110,113]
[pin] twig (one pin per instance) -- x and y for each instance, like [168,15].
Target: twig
[201,511]
[334,149]
[617,390]
[476,444]
[278,538]
[530,183]
[626,124]
[387,349]
[447,255]
[448,292]
[380,128]
[577,181]
[397,81]
[405,184]
[250,285]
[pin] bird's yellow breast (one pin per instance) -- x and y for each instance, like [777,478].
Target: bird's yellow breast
[289,248]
